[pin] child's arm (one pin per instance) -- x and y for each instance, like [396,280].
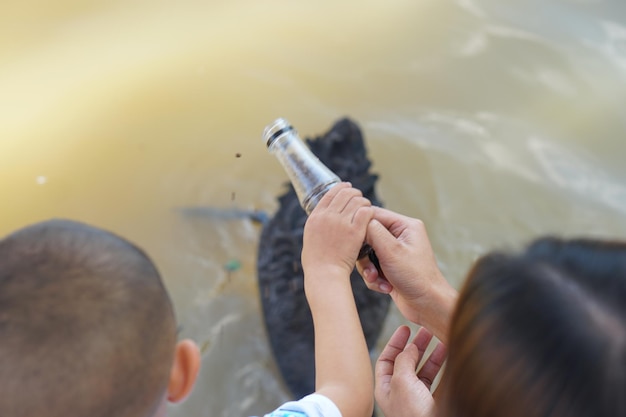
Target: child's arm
[333,235]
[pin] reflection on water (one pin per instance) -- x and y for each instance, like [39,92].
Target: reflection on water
[492,121]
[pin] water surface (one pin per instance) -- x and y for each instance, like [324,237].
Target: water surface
[493,121]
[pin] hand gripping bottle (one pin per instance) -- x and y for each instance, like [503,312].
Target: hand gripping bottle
[310,178]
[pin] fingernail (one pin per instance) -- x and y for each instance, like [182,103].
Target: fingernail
[384,287]
[366,273]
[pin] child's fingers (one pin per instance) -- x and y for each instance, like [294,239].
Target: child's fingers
[342,198]
[355,203]
[330,194]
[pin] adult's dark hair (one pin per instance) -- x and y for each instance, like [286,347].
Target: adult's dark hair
[86,325]
[541,333]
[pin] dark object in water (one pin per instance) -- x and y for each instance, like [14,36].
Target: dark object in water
[256,216]
[288,320]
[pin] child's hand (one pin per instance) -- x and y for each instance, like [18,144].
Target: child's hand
[335,231]
[399,390]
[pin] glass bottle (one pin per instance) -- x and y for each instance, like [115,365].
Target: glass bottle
[310,178]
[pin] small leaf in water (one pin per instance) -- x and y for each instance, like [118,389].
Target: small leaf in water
[205,346]
[232,265]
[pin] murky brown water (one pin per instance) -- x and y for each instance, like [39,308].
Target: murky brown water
[493,121]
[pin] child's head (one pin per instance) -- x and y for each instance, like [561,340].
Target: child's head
[86,327]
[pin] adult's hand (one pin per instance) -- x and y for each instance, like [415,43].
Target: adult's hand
[409,271]
[399,391]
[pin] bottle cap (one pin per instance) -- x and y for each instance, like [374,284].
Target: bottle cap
[275,130]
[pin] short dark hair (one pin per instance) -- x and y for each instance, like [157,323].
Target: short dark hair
[86,324]
[541,333]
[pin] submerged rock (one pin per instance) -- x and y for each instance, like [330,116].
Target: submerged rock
[288,320]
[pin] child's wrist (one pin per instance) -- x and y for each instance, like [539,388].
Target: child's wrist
[324,271]
[323,279]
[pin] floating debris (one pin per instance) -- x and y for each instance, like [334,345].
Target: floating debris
[232,265]
[233,213]
[238,155]
[204,347]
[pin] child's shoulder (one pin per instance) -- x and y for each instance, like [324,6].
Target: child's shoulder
[314,405]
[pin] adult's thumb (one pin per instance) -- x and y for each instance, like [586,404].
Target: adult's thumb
[406,361]
[379,238]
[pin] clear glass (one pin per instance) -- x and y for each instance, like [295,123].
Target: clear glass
[309,176]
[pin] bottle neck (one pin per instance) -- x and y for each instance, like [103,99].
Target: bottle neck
[278,129]
[310,178]
[316,195]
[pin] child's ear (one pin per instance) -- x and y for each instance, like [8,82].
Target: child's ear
[184,370]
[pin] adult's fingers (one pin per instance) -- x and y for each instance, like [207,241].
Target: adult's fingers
[387,358]
[388,218]
[406,363]
[361,218]
[422,339]
[398,224]
[379,237]
[433,364]
[366,268]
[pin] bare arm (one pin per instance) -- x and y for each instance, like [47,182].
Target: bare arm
[333,236]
